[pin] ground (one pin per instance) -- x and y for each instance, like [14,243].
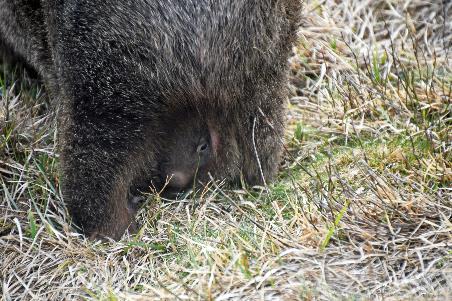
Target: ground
[361,209]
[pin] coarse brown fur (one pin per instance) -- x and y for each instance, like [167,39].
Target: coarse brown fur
[121,70]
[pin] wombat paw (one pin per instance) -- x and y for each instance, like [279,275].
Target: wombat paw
[114,233]
[95,236]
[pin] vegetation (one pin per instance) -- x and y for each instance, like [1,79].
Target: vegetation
[362,209]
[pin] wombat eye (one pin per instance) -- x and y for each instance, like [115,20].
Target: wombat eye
[202,147]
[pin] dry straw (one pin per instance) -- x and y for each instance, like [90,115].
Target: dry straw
[362,209]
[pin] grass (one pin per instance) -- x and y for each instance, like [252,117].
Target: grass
[361,210]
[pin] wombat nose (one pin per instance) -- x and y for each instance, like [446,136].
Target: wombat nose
[134,203]
[179,180]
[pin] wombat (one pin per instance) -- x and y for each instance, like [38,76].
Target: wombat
[150,90]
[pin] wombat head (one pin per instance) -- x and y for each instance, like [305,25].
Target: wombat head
[192,149]
[189,153]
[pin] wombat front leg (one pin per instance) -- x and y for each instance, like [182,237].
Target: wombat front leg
[95,180]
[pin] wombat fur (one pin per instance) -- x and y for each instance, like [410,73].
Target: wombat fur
[151,87]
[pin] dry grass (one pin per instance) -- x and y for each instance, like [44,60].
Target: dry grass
[362,209]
